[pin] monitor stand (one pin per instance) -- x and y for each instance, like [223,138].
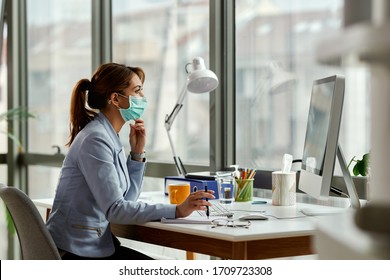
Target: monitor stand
[353,197]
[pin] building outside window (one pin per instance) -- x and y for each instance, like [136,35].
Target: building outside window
[275,67]
[162,37]
[59,54]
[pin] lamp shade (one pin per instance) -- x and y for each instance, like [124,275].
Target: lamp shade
[201,80]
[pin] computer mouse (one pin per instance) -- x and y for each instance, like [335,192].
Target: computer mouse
[253,216]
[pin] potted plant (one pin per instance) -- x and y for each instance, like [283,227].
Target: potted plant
[361,166]
[19,113]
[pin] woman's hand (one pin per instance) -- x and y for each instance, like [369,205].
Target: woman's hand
[137,136]
[195,201]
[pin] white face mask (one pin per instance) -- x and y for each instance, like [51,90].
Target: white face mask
[136,108]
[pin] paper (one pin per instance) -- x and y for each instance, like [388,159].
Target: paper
[287,163]
[188,220]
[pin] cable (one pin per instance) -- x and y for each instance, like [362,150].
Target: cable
[338,191]
[285,218]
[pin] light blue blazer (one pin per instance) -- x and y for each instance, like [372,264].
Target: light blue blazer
[98,185]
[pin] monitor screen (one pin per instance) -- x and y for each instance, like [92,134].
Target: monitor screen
[318,127]
[322,134]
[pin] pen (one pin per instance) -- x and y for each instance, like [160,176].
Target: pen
[207,207]
[259,202]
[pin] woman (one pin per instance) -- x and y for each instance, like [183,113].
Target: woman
[99,184]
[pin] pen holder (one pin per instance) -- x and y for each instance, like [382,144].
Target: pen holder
[244,190]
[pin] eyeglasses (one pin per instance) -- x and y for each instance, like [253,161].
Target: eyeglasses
[122,95]
[138,91]
[230,223]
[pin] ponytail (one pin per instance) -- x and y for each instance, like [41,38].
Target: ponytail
[79,114]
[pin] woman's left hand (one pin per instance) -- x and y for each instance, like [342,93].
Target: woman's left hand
[137,136]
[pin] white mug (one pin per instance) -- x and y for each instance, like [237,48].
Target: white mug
[283,188]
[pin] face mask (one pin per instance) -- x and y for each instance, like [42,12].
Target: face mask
[136,109]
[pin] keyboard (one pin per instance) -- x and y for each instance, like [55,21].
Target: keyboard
[217,209]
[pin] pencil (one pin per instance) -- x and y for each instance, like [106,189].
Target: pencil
[207,207]
[253,173]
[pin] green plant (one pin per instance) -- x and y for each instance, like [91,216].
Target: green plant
[361,165]
[19,113]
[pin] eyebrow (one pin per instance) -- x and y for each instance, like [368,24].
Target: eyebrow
[137,87]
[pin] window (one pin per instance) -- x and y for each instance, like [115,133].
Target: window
[59,54]
[275,68]
[162,37]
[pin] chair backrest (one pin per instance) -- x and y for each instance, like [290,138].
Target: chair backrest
[35,240]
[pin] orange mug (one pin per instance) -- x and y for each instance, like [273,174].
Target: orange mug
[178,192]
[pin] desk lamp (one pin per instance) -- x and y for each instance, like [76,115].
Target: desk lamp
[199,80]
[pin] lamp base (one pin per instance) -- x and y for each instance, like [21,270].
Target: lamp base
[202,175]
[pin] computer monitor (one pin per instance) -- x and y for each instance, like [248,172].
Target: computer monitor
[321,143]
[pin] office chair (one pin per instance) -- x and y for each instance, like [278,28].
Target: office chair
[35,240]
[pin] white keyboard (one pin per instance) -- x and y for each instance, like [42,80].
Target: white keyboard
[217,209]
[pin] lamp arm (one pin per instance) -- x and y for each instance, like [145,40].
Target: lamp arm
[179,165]
[168,124]
[179,104]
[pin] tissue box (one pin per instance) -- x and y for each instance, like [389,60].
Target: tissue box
[195,184]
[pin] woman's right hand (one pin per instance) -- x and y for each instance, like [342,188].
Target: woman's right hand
[195,201]
[137,136]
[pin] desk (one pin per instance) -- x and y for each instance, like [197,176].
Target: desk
[264,239]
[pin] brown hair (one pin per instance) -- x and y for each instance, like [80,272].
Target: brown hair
[108,78]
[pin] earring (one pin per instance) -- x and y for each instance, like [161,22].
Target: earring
[109,102]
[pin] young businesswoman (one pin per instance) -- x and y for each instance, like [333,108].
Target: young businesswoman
[99,184]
